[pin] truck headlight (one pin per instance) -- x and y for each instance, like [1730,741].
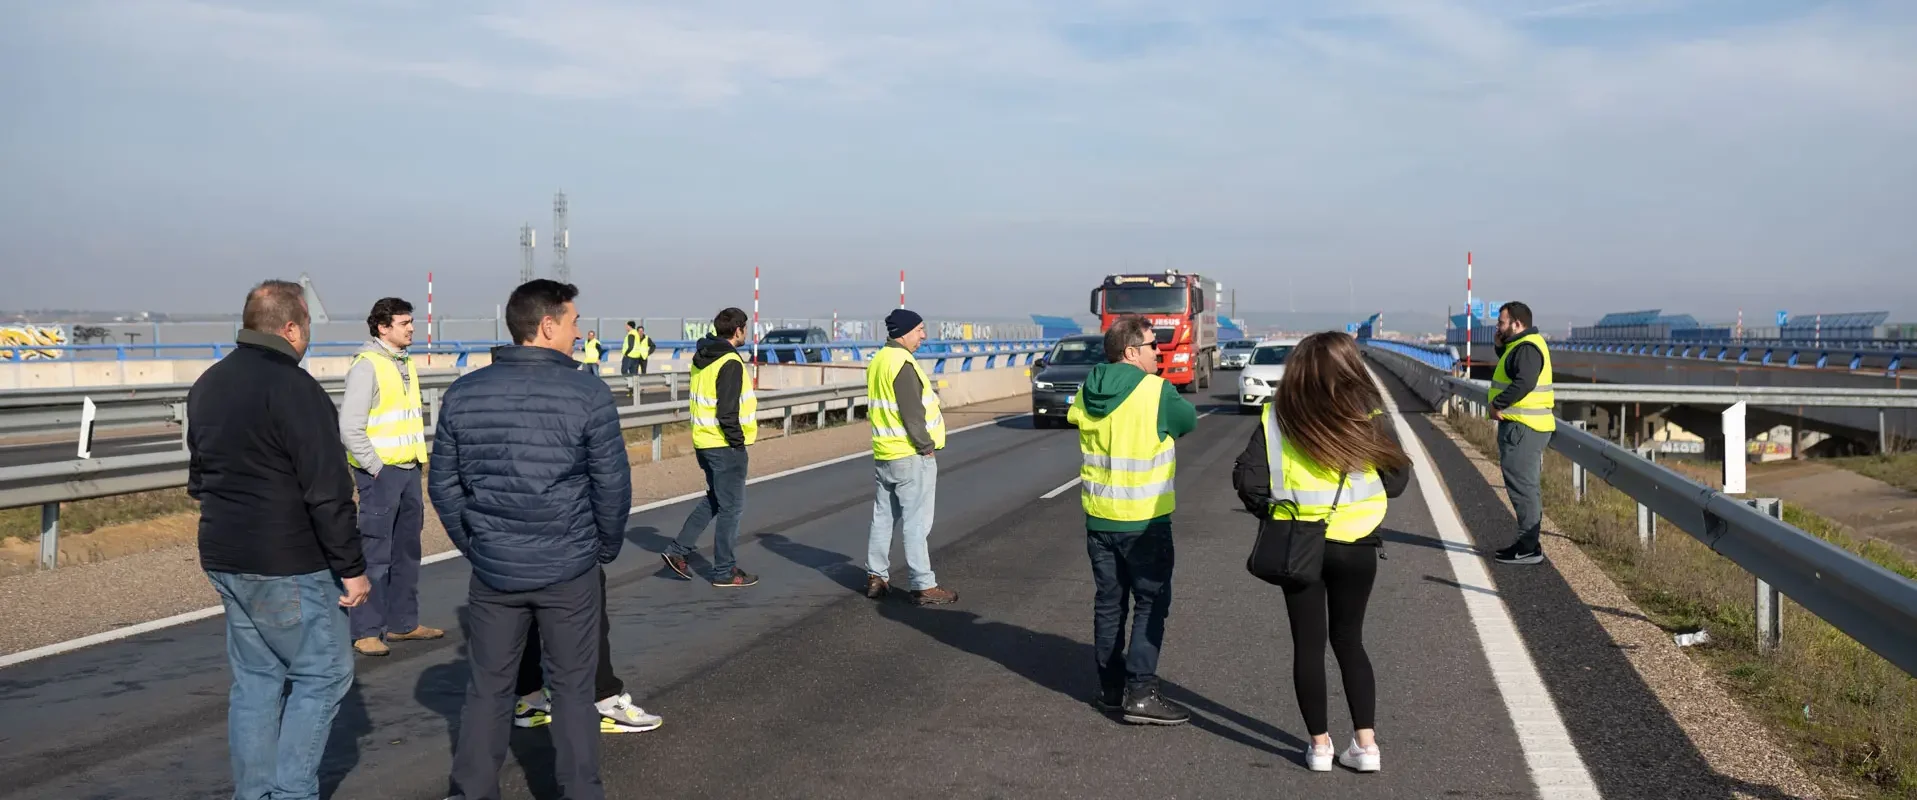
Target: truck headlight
[1181,358]
[1041,385]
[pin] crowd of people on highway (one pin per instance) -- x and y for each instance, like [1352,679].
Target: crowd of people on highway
[307,509]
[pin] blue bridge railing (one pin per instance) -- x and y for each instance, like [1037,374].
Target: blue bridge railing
[1432,355]
[1851,356]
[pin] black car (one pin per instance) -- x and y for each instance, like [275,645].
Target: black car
[792,336]
[1057,375]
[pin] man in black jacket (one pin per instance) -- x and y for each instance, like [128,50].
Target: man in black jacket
[279,540]
[529,476]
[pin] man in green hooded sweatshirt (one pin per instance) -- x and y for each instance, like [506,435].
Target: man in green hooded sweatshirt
[1127,419]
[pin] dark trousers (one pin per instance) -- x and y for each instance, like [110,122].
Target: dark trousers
[569,616]
[725,469]
[1521,455]
[391,513]
[532,676]
[632,365]
[1133,569]
[1334,609]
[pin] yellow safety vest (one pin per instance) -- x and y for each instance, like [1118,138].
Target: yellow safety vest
[396,426]
[1536,410]
[637,347]
[1127,472]
[706,434]
[591,356]
[889,439]
[1303,490]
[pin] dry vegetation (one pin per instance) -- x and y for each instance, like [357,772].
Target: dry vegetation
[1896,469]
[86,516]
[1845,712]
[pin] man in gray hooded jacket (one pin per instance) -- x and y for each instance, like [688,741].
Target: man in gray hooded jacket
[386,444]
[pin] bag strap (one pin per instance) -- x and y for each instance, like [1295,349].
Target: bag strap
[1340,492]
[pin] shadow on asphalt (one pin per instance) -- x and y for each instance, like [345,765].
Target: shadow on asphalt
[342,746]
[830,563]
[1065,666]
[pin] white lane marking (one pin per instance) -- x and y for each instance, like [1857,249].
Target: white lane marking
[1556,767]
[1060,490]
[214,611]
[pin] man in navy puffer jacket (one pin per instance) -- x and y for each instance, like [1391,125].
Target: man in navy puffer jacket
[529,476]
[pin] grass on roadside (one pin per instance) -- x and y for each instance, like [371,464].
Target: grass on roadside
[1843,711]
[86,516]
[1896,469]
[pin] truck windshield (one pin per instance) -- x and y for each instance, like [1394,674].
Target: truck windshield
[1145,300]
[784,337]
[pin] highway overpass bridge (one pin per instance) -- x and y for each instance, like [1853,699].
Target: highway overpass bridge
[1494,681]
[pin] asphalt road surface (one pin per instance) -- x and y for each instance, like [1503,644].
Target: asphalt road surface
[801,687]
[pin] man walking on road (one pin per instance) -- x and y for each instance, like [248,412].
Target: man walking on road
[382,425]
[1127,419]
[724,423]
[278,542]
[1524,404]
[638,348]
[907,429]
[530,478]
[589,356]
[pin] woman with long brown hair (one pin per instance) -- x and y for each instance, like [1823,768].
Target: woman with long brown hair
[1324,452]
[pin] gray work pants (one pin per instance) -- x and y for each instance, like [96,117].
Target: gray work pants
[1521,454]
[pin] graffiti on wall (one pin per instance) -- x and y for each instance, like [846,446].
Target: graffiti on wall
[18,342]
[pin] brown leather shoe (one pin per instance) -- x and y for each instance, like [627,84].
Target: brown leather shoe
[370,646]
[418,633]
[935,596]
[876,587]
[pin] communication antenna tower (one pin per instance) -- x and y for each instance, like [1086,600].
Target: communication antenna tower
[561,238]
[527,247]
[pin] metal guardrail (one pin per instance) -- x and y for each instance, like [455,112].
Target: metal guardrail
[796,353]
[27,411]
[1865,601]
[1888,356]
[50,484]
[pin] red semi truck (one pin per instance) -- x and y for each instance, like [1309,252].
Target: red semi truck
[1179,306]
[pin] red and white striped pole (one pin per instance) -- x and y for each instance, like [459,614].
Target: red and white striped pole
[755,314]
[429,319]
[1468,314]
[901,288]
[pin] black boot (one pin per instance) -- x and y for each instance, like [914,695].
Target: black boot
[1144,706]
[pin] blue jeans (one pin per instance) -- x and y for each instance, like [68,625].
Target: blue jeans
[725,469]
[281,628]
[1131,568]
[907,488]
[391,514]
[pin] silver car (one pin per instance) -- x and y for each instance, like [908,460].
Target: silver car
[1236,353]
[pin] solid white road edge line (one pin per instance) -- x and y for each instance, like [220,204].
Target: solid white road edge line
[214,611]
[1556,768]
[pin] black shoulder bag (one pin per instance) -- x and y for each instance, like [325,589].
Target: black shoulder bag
[1291,553]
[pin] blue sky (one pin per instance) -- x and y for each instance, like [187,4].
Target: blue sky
[1596,155]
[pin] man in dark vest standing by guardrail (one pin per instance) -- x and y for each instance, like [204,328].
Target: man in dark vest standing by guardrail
[1524,404]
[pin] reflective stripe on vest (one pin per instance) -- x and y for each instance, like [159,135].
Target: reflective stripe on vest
[1127,472]
[890,440]
[1313,491]
[704,394]
[396,426]
[1536,410]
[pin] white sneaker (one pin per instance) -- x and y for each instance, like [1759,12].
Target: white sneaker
[1318,757]
[617,714]
[533,711]
[1362,759]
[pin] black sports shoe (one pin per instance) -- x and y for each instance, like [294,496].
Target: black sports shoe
[1147,707]
[1110,698]
[1515,554]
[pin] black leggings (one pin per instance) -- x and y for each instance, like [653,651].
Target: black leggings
[1348,573]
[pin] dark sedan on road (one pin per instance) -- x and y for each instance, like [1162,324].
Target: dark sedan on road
[1057,375]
